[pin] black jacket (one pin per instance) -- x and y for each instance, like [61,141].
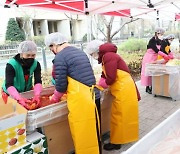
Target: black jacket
[153,42]
[165,43]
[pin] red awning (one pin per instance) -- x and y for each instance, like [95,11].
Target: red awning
[125,13]
[106,7]
[141,8]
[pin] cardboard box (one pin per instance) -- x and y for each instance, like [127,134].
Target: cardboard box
[106,103]
[59,136]
[160,85]
[12,125]
[37,143]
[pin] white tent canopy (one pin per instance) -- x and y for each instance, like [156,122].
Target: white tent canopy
[139,8]
[165,9]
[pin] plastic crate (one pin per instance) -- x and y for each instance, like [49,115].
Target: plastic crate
[45,115]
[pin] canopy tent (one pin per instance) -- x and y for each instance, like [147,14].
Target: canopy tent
[107,7]
[166,9]
[154,9]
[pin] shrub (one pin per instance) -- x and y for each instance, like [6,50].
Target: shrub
[133,44]
[13,32]
[39,40]
[133,60]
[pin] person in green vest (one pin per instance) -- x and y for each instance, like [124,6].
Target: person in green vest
[19,74]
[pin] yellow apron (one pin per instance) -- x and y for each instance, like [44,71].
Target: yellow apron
[82,118]
[167,48]
[124,125]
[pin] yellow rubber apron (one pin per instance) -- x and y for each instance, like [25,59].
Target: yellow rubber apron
[167,48]
[82,118]
[124,123]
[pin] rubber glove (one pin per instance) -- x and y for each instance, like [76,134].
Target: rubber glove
[102,83]
[37,91]
[171,56]
[15,94]
[56,97]
[165,56]
[23,102]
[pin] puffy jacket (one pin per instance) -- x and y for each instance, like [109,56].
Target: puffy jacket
[74,63]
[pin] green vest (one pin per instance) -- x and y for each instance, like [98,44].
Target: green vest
[19,82]
[53,81]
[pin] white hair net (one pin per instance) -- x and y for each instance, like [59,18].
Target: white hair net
[170,36]
[93,46]
[26,46]
[55,38]
[159,30]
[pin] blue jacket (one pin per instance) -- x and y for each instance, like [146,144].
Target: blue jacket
[74,63]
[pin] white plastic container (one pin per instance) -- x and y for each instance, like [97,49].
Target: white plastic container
[158,135]
[165,80]
[45,115]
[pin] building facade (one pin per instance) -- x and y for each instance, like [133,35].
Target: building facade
[39,22]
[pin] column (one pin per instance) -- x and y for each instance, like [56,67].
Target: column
[63,27]
[31,27]
[44,27]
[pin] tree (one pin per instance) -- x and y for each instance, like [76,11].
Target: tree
[27,25]
[108,24]
[26,22]
[13,32]
[72,22]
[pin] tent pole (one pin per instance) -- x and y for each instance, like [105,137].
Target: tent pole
[88,17]
[89,28]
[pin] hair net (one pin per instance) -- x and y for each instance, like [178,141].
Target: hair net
[159,30]
[93,46]
[170,36]
[26,46]
[55,38]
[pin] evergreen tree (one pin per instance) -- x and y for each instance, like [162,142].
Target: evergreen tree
[13,32]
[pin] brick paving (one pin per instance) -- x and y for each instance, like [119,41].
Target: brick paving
[152,111]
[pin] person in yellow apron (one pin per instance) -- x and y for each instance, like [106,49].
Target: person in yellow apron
[74,75]
[124,111]
[165,47]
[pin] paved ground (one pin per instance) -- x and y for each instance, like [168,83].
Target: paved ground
[152,111]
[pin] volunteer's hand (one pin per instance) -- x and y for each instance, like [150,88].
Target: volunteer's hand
[23,102]
[36,99]
[37,91]
[56,97]
[165,56]
[171,56]
[102,83]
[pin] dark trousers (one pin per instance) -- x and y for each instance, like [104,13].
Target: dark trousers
[98,106]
